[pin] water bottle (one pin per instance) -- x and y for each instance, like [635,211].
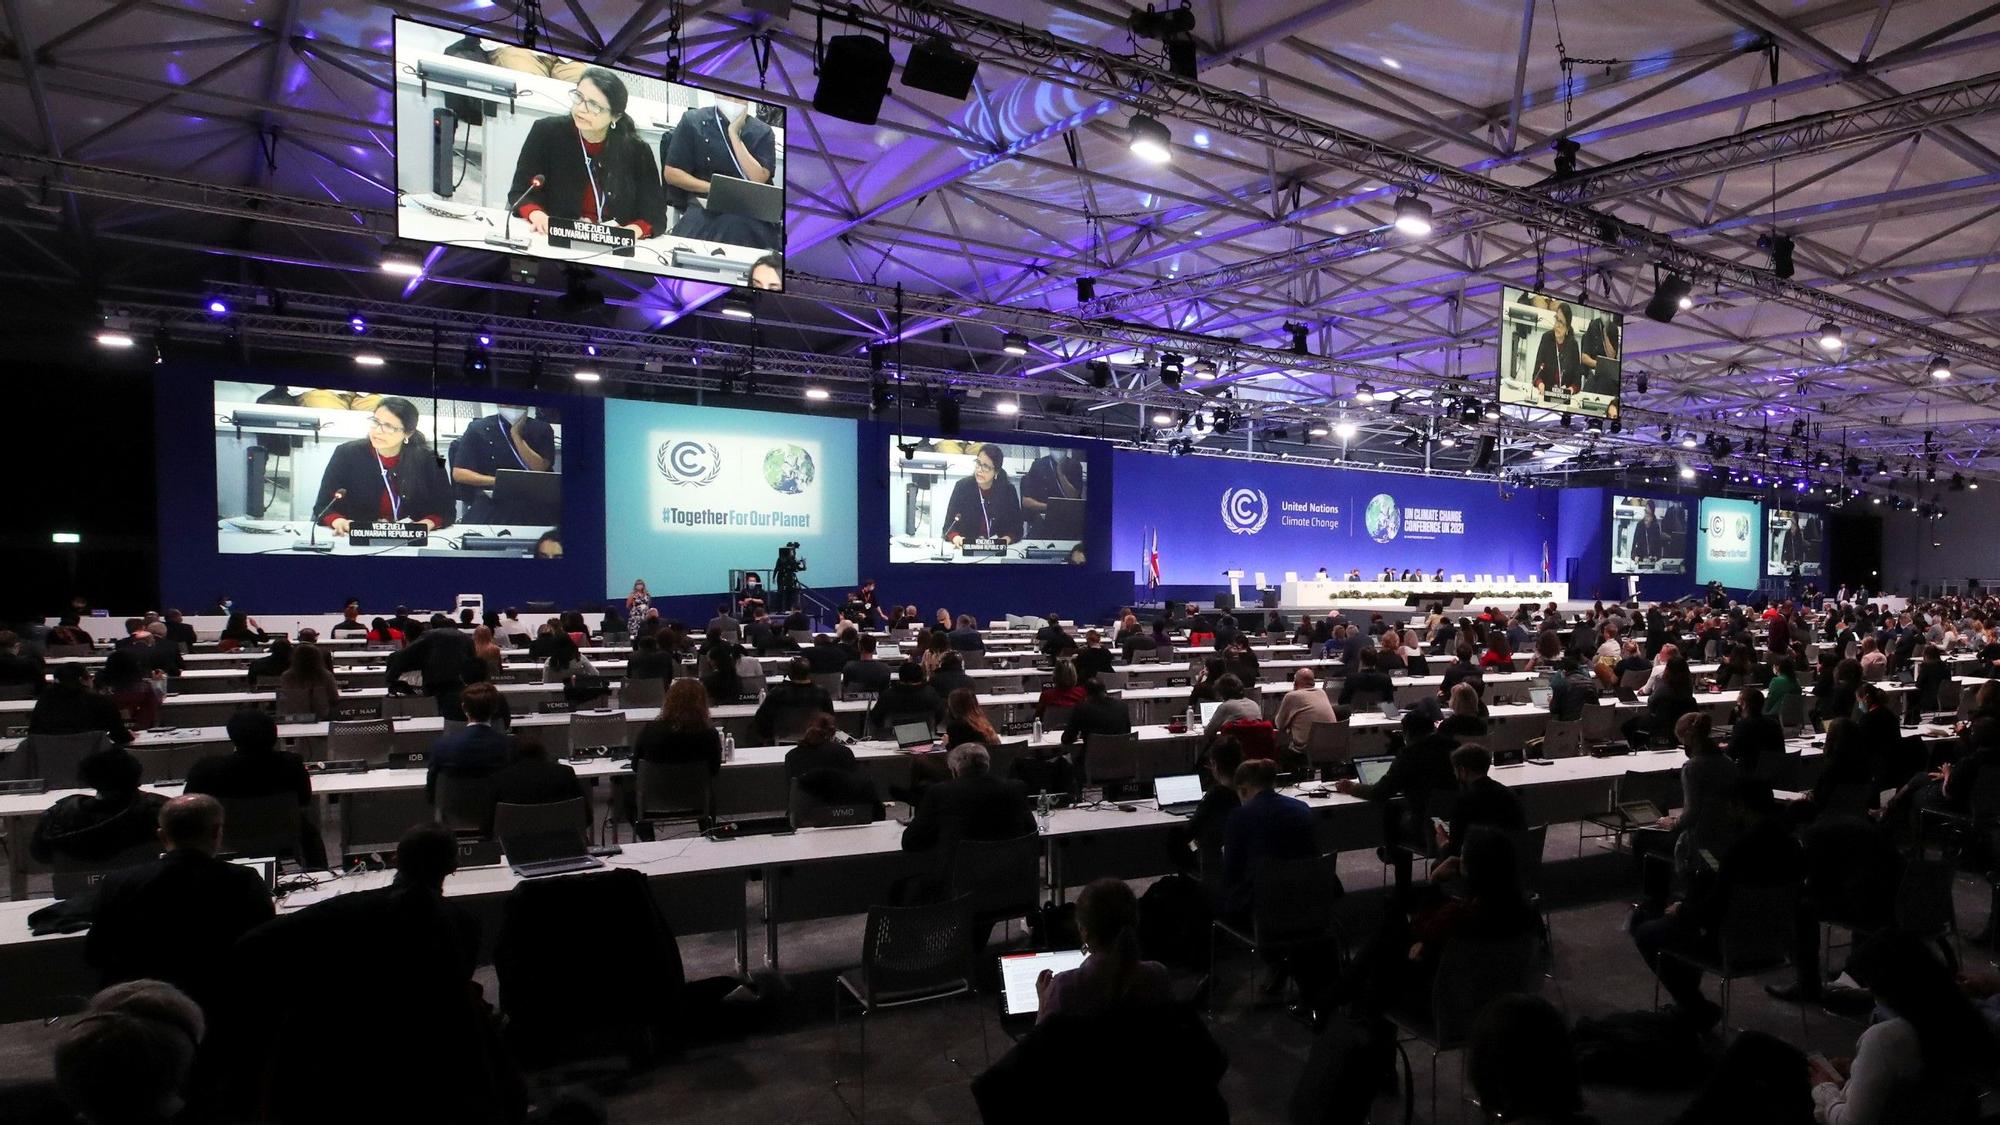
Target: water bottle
[1190,717]
[1037,736]
[1043,808]
[728,747]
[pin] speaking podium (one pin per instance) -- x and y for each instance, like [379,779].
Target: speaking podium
[1235,586]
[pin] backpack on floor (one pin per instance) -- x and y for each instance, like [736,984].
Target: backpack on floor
[1174,917]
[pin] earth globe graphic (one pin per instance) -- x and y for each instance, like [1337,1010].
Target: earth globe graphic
[1382,518]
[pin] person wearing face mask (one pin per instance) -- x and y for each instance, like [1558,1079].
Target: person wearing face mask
[508,438]
[390,476]
[724,139]
[592,164]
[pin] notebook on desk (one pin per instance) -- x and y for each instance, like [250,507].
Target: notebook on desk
[1019,971]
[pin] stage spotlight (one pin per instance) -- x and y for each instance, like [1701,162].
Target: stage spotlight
[114,339]
[1413,216]
[1086,289]
[1448,440]
[1940,368]
[1171,366]
[1881,467]
[818,394]
[357,322]
[1149,140]
[1203,369]
[1688,440]
[218,307]
[1007,406]
[1364,392]
[1491,412]
[402,267]
[1670,296]
[367,359]
[475,362]
[880,397]
[1687,472]
[1566,151]
[1780,246]
[947,412]
[1345,430]
[1468,412]
[1162,418]
[1829,337]
[585,375]
[1013,343]
[738,308]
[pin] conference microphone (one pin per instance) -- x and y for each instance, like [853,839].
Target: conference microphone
[312,542]
[506,237]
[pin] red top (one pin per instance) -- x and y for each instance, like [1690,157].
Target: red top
[587,209]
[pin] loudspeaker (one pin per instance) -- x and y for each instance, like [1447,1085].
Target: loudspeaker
[1485,453]
[935,66]
[853,78]
[947,409]
[444,140]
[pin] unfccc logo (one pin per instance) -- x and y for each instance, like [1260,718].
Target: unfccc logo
[694,463]
[1244,510]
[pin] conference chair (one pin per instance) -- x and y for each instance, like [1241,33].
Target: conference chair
[1329,745]
[260,826]
[1600,723]
[1949,692]
[789,723]
[1792,715]
[54,758]
[909,955]
[828,682]
[1057,718]
[750,688]
[1114,679]
[1528,844]
[648,692]
[668,791]
[997,880]
[463,800]
[513,822]
[1365,701]
[1662,787]
[1755,936]
[372,823]
[74,877]
[1471,974]
[1110,760]
[369,740]
[1562,739]
[1292,906]
[598,732]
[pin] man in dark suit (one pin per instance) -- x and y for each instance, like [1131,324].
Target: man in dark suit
[1051,638]
[648,662]
[440,655]
[175,919]
[1268,826]
[118,817]
[864,672]
[275,661]
[1093,658]
[796,695]
[479,750]
[973,805]
[1368,679]
[257,768]
[966,638]
[730,628]
[825,656]
[1098,712]
[759,634]
[1482,803]
[68,706]
[908,695]
[182,633]
[405,624]
[1893,761]
[533,778]
[950,676]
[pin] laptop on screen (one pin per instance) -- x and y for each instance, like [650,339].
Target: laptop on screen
[529,497]
[1178,794]
[728,195]
[266,867]
[1064,518]
[1370,771]
[1019,971]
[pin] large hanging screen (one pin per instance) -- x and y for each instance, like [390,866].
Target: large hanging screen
[953,501]
[1559,355]
[522,151]
[1648,536]
[1792,543]
[326,470]
[1728,551]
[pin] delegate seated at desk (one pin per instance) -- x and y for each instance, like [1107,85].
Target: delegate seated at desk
[506,439]
[592,163]
[724,139]
[984,505]
[389,475]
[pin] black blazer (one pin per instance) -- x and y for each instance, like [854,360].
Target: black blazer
[1003,509]
[625,173]
[969,808]
[174,920]
[418,478]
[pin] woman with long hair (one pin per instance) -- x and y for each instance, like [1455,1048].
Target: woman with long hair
[1113,973]
[985,504]
[1064,693]
[487,651]
[387,475]
[590,165]
[965,720]
[124,679]
[682,731]
[306,687]
[1926,1060]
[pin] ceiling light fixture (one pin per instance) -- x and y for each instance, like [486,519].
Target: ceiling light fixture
[1013,343]
[1149,140]
[1413,216]
[1007,406]
[586,376]
[1940,367]
[1829,337]
[818,394]
[368,359]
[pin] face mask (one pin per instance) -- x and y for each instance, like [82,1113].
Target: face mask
[512,414]
[731,110]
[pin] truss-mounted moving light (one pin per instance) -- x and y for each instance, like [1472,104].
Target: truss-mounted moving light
[1149,140]
[1171,366]
[737,308]
[1671,294]
[1830,339]
[1413,216]
[1940,367]
[1345,430]
[1364,392]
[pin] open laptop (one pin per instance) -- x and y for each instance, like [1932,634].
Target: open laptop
[729,195]
[1638,814]
[1064,519]
[1019,971]
[913,736]
[1178,795]
[549,853]
[266,868]
[1371,771]
[1208,709]
[529,497]
[1627,695]
[1540,696]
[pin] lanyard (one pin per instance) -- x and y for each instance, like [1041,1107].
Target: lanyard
[985,519]
[395,501]
[596,196]
[507,439]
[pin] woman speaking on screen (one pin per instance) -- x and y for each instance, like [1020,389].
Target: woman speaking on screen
[592,164]
[984,505]
[1558,362]
[390,476]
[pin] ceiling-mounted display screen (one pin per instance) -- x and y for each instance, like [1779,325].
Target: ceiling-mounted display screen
[1558,354]
[953,501]
[523,151]
[1648,536]
[1792,543]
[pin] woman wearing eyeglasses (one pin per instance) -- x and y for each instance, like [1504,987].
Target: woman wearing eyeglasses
[390,476]
[984,505]
[592,164]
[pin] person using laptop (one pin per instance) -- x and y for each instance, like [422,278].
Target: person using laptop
[1197,844]
[258,768]
[798,694]
[1232,704]
[1368,680]
[1268,826]
[1421,766]
[1303,706]
[509,438]
[531,777]
[1114,974]
[722,139]
[864,673]
[909,695]
[1099,712]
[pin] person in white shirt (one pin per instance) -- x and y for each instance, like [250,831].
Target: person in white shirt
[1302,706]
[1668,652]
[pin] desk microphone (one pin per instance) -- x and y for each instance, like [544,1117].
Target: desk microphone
[506,236]
[312,542]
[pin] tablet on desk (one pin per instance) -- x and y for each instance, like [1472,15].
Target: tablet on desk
[1019,971]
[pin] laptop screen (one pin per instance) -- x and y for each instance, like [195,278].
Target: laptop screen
[1018,973]
[913,734]
[1539,696]
[1181,789]
[1208,711]
[1372,770]
[267,868]
[539,847]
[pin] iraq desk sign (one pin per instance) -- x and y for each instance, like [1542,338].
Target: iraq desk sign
[569,234]
[389,535]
